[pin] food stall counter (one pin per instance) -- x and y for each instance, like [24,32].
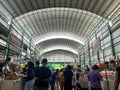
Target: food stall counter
[12,84]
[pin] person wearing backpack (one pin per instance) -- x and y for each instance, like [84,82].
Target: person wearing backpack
[43,76]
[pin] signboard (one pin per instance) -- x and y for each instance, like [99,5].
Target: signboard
[14,40]
[86,51]
[16,43]
[13,48]
[96,45]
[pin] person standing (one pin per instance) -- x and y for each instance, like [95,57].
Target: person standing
[94,77]
[30,76]
[77,73]
[117,77]
[68,78]
[54,78]
[37,63]
[61,77]
[42,77]
[87,69]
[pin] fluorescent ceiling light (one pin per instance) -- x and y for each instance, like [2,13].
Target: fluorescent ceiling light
[59,37]
[59,48]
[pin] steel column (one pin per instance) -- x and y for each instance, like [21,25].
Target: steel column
[98,57]
[111,40]
[89,53]
[8,42]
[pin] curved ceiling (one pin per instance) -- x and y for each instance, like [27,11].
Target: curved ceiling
[64,48]
[61,50]
[16,8]
[58,24]
[59,44]
[59,37]
[63,26]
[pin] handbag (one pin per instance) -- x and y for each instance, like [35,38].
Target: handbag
[81,88]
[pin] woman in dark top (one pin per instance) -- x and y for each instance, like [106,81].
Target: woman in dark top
[30,76]
[68,78]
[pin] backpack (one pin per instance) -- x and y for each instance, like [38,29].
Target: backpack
[44,75]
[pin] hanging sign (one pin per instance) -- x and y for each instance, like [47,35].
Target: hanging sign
[14,40]
[96,45]
[86,51]
[16,44]
[13,48]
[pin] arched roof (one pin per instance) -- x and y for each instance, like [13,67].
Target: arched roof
[16,8]
[58,23]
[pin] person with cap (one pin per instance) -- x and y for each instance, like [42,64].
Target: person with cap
[43,76]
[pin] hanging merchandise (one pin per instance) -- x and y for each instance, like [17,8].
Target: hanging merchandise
[15,60]
[112,58]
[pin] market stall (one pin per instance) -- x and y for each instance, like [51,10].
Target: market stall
[12,84]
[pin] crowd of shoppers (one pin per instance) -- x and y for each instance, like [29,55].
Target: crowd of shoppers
[67,78]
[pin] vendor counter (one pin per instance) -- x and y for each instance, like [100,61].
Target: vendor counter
[12,85]
[110,83]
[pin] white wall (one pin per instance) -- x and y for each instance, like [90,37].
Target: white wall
[59,56]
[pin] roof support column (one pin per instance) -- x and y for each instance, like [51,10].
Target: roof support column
[105,70]
[35,56]
[80,60]
[89,53]
[111,39]
[7,51]
[84,56]
[22,43]
[30,47]
[98,57]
